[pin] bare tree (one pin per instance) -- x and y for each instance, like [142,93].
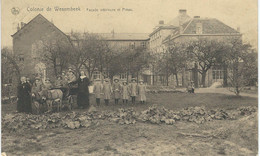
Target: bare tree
[55,52]
[174,59]
[205,53]
[242,65]
[89,52]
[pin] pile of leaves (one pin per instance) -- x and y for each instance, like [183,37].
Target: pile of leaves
[21,122]
[155,115]
[247,110]
[124,116]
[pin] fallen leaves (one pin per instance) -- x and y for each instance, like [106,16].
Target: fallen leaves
[155,115]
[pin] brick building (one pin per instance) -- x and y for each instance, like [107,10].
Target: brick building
[27,42]
[190,29]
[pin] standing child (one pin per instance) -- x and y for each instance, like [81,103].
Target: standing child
[125,92]
[116,90]
[97,90]
[133,89]
[142,91]
[107,91]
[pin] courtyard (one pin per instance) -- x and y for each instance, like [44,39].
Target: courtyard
[216,137]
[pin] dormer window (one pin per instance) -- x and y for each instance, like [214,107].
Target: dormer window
[199,28]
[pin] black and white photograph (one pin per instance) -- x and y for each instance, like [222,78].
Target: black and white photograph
[129,77]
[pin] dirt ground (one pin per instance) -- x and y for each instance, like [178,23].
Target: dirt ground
[217,137]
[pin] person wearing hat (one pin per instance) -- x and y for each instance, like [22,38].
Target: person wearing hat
[142,91]
[64,79]
[125,92]
[133,89]
[47,84]
[24,97]
[70,76]
[107,90]
[97,90]
[37,87]
[116,90]
[58,82]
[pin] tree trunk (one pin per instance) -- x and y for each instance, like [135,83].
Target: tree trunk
[225,83]
[203,78]
[177,81]
[167,78]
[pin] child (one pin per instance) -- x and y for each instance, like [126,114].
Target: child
[97,91]
[125,92]
[116,90]
[107,91]
[142,91]
[133,89]
[58,82]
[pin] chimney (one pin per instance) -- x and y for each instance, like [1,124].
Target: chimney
[196,17]
[182,17]
[182,12]
[22,24]
[238,29]
[18,27]
[161,22]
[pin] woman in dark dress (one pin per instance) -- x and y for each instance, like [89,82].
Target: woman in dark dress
[24,96]
[83,91]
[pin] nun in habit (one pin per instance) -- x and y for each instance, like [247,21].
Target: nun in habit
[83,91]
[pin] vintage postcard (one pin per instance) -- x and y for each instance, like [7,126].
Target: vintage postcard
[129,77]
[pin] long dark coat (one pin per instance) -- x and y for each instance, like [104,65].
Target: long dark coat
[82,92]
[24,98]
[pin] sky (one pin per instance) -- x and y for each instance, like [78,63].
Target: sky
[142,15]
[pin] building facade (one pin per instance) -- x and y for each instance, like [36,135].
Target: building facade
[39,33]
[29,39]
[202,29]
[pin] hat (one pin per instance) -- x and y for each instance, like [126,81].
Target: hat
[141,80]
[124,82]
[116,79]
[107,79]
[37,78]
[133,79]
[70,70]
[47,79]
[98,79]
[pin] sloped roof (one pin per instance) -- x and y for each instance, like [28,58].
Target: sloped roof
[209,26]
[162,27]
[176,21]
[124,36]
[119,36]
[35,18]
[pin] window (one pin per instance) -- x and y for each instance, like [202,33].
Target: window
[96,75]
[143,44]
[199,28]
[217,73]
[123,76]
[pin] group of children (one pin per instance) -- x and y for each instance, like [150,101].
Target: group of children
[119,91]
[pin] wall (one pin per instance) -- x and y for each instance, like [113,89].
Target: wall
[24,41]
